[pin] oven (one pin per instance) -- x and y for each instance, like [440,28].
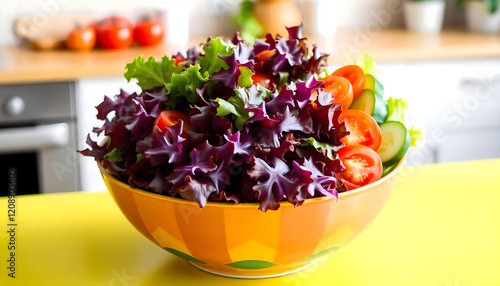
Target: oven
[38,138]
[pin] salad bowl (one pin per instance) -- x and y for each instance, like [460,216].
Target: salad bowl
[242,241]
[250,161]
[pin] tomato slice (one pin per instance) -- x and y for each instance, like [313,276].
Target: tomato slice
[170,118]
[362,166]
[264,80]
[362,127]
[264,55]
[341,90]
[355,75]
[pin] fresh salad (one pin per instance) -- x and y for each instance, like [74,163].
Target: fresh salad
[262,123]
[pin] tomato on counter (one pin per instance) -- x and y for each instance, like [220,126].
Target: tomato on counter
[114,33]
[149,32]
[81,39]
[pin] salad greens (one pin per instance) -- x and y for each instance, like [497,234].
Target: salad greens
[235,122]
[242,142]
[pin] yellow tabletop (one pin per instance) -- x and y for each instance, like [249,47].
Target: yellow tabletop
[441,226]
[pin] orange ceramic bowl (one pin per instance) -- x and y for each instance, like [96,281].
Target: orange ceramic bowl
[242,241]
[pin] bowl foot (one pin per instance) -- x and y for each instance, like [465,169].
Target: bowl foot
[248,274]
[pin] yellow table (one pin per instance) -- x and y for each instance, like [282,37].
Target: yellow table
[441,226]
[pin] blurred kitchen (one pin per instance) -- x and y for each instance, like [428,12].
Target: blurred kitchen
[442,57]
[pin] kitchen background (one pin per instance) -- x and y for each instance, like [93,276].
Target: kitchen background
[455,101]
[205,16]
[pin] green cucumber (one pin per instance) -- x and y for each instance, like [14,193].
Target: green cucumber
[372,104]
[374,85]
[387,169]
[395,142]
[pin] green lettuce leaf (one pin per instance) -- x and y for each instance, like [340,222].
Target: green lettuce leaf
[152,73]
[396,109]
[211,62]
[325,148]
[114,155]
[184,84]
[245,78]
[396,112]
[235,105]
[367,64]
[416,136]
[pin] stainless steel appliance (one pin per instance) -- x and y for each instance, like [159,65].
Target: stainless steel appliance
[38,138]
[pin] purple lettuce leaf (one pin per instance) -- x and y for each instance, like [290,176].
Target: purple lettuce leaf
[196,190]
[272,184]
[304,91]
[239,58]
[324,185]
[281,100]
[95,150]
[167,147]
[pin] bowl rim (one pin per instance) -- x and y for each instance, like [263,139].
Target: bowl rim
[255,205]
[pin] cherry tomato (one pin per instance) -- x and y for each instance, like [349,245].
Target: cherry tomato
[114,33]
[341,90]
[81,39]
[149,32]
[178,61]
[170,118]
[264,80]
[355,75]
[264,55]
[362,166]
[362,127]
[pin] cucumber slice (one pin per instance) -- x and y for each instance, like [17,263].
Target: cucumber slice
[374,85]
[387,169]
[372,104]
[395,142]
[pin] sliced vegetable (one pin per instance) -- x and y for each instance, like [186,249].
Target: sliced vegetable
[264,80]
[395,142]
[374,85]
[170,118]
[341,90]
[362,166]
[363,129]
[354,74]
[371,103]
[388,169]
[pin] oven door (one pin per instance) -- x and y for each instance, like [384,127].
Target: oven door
[42,158]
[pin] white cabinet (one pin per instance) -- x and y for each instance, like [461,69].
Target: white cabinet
[457,104]
[90,92]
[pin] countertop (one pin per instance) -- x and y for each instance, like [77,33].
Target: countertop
[440,226]
[23,64]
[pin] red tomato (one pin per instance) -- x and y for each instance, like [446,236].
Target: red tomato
[264,80]
[170,118]
[355,75]
[341,90]
[362,166]
[264,55]
[178,61]
[81,39]
[114,33]
[149,32]
[362,127]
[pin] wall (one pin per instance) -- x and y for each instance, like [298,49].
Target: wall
[206,17]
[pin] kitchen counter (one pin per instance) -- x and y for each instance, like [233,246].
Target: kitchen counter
[23,64]
[441,226]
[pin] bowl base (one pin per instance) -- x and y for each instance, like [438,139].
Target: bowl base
[248,275]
